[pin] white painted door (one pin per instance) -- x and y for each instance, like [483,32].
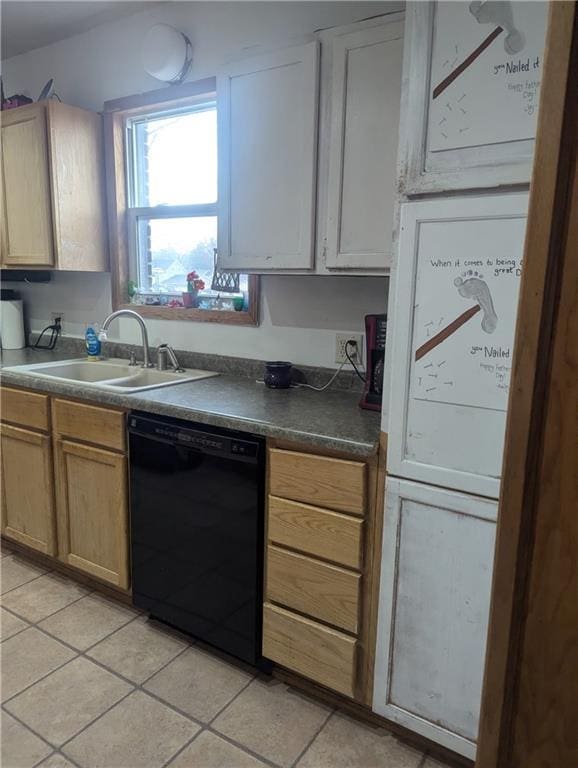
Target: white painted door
[472,73]
[363,137]
[267,117]
[454,315]
[436,573]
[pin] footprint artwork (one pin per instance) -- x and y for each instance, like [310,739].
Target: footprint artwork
[471,286]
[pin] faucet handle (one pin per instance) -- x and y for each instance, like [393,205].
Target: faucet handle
[132,359]
[162,356]
[170,352]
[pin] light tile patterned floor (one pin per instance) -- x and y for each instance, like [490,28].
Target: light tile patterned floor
[91,683]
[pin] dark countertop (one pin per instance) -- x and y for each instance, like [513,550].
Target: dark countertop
[330,420]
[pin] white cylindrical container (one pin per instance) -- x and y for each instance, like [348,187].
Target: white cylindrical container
[12,324]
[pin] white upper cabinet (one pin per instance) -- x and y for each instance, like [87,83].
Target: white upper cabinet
[298,197]
[362,139]
[471,85]
[267,115]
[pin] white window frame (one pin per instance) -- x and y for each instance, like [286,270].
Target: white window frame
[136,213]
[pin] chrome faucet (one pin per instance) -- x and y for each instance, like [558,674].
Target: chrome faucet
[143,329]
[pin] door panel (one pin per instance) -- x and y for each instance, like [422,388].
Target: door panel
[27,202]
[92,511]
[438,551]
[366,92]
[267,115]
[454,315]
[28,489]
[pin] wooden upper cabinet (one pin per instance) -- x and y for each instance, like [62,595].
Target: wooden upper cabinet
[362,138]
[26,180]
[267,115]
[77,182]
[53,188]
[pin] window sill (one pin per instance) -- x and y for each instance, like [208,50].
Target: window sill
[249,317]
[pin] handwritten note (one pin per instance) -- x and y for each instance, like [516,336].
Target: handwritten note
[465,311]
[493,97]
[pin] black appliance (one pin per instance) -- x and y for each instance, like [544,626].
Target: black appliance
[197,523]
[375,332]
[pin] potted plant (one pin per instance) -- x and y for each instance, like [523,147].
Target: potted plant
[194,285]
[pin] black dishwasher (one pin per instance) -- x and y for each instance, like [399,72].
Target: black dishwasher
[197,520]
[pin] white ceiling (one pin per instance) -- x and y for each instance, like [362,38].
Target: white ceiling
[28,24]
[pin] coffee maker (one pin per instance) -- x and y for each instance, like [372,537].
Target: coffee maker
[375,329]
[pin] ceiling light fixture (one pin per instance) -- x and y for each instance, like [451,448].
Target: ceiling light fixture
[167,54]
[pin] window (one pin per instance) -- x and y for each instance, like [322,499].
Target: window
[163,156]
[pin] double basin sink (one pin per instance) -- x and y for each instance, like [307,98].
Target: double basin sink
[114,375]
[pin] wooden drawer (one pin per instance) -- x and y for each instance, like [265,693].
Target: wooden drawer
[28,409]
[317,589]
[318,480]
[89,423]
[315,531]
[314,651]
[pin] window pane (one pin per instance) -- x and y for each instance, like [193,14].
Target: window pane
[175,159]
[171,248]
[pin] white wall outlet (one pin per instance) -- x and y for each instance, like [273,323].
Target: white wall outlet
[356,354]
[53,316]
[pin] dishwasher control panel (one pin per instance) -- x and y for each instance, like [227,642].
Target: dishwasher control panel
[214,443]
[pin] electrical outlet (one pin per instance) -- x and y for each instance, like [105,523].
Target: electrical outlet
[53,316]
[355,353]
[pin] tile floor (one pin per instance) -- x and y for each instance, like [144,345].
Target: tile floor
[91,683]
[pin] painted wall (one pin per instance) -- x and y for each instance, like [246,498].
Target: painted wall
[300,315]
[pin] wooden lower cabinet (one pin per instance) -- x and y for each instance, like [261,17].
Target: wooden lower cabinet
[65,481]
[316,619]
[92,502]
[28,489]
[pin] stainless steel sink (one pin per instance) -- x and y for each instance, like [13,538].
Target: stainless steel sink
[114,375]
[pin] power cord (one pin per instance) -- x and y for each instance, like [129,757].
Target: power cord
[338,371]
[55,331]
[348,356]
[325,386]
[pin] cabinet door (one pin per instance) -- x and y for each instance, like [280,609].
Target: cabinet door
[453,327]
[363,137]
[28,489]
[27,202]
[472,75]
[267,114]
[93,511]
[438,549]
[77,174]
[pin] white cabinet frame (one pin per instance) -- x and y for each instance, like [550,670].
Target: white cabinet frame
[421,171]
